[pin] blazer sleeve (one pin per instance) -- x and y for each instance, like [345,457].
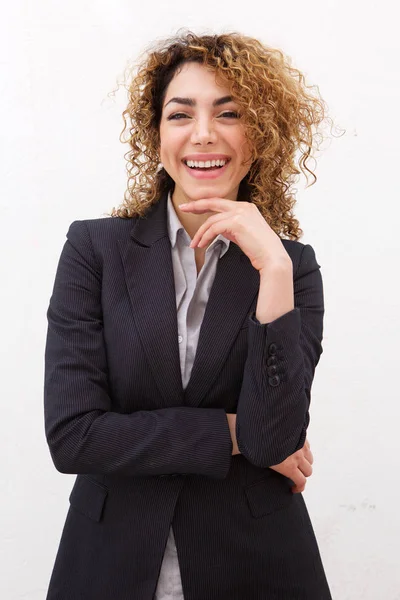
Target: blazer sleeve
[273,407]
[84,434]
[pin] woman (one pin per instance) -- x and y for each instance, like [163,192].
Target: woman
[183,340]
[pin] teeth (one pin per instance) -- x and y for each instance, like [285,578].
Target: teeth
[206,164]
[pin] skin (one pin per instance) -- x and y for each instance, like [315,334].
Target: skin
[211,206]
[198,129]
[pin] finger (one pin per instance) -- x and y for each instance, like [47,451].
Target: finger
[309,456]
[298,489]
[305,467]
[206,205]
[300,482]
[203,228]
[223,226]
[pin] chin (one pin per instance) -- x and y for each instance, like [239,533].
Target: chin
[200,192]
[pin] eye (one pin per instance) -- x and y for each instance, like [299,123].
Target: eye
[172,117]
[230,112]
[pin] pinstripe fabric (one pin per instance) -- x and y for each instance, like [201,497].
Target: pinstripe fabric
[150,454]
[192,294]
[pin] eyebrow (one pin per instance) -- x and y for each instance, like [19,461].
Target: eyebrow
[192,102]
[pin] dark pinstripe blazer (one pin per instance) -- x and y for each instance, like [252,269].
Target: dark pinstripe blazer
[148,453]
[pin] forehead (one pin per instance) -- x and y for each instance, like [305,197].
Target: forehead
[196,81]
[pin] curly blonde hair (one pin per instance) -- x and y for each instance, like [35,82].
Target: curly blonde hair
[279,111]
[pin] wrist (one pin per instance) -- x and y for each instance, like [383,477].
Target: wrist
[281,264]
[232,428]
[276,293]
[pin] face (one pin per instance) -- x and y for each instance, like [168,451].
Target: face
[200,123]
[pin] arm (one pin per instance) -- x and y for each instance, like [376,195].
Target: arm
[273,407]
[83,433]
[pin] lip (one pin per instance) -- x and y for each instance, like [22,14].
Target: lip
[202,174]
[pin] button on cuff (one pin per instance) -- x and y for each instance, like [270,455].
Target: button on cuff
[274,381]
[272,349]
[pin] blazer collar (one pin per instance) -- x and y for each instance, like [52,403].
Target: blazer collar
[151,228]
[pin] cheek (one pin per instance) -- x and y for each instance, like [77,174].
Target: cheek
[238,141]
[171,146]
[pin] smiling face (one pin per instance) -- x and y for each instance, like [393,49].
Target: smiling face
[199,122]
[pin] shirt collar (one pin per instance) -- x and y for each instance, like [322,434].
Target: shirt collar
[175,226]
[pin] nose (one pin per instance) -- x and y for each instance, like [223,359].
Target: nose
[203,131]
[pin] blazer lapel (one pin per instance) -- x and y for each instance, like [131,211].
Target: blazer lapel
[147,261]
[232,294]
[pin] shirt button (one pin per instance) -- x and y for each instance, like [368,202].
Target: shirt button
[180,339]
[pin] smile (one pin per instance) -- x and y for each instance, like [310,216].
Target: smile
[206,173]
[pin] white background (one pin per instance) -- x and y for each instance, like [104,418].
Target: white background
[61,160]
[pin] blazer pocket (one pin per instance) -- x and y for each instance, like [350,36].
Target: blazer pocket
[269,495]
[88,497]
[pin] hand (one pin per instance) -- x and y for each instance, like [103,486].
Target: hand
[241,223]
[297,467]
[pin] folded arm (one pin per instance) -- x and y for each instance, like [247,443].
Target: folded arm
[83,433]
[273,407]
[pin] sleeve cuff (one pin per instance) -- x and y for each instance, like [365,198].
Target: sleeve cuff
[284,332]
[279,322]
